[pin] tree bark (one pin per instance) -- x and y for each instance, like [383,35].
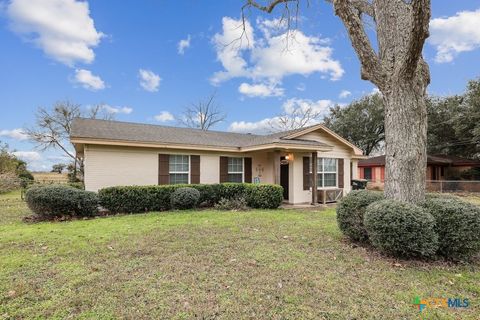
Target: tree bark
[405,142]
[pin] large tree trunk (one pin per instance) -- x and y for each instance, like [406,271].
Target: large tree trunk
[405,141]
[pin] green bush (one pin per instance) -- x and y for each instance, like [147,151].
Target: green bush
[457,226]
[59,200]
[401,229]
[185,198]
[136,199]
[77,185]
[264,196]
[350,212]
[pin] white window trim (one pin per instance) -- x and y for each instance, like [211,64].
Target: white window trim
[323,172]
[182,172]
[238,172]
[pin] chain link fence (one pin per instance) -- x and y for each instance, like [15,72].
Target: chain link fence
[453,186]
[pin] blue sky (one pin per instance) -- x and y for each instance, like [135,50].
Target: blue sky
[127,55]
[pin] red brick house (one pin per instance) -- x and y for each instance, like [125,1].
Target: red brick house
[439,167]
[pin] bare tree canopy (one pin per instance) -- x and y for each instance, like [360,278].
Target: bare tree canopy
[203,115]
[399,71]
[296,118]
[53,126]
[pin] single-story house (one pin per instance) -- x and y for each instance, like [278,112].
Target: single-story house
[439,167]
[121,153]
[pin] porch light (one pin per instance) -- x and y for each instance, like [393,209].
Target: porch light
[289,157]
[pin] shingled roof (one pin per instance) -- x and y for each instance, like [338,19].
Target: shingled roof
[146,133]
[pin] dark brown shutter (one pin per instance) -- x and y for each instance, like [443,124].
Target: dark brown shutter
[195,169]
[247,162]
[340,173]
[163,169]
[223,169]
[306,173]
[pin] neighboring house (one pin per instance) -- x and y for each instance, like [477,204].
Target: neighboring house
[439,167]
[121,153]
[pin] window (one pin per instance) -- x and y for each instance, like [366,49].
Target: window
[326,172]
[179,169]
[367,173]
[235,169]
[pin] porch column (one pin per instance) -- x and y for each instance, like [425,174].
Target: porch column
[314,178]
[276,167]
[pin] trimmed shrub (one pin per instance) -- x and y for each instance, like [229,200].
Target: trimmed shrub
[136,199]
[230,190]
[401,229]
[264,196]
[236,204]
[350,212]
[185,198]
[457,226]
[59,200]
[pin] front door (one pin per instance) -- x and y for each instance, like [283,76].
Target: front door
[284,177]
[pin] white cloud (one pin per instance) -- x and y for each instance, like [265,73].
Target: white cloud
[273,56]
[344,94]
[28,155]
[375,90]
[455,34]
[17,134]
[88,80]
[63,29]
[260,90]
[321,106]
[117,110]
[290,109]
[183,45]
[301,87]
[149,80]
[164,116]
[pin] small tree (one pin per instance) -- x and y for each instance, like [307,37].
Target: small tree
[59,167]
[53,126]
[296,118]
[361,122]
[203,115]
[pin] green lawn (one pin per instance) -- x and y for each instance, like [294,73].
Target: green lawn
[283,264]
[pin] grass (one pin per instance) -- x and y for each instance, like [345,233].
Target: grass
[284,264]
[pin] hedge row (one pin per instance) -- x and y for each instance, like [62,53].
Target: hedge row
[61,200]
[444,226]
[136,199]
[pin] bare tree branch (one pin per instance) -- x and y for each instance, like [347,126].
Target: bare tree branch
[297,118]
[203,115]
[371,66]
[53,127]
[421,13]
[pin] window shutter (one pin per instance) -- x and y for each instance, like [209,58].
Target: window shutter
[247,170]
[194,169]
[306,173]
[223,169]
[340,173]
[163,169]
